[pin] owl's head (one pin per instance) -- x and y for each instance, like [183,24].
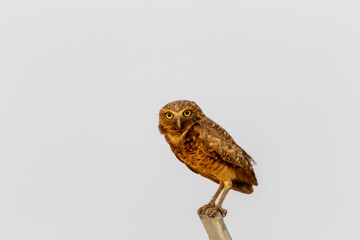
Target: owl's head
[178,116]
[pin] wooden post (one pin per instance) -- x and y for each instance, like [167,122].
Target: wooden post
[215,227]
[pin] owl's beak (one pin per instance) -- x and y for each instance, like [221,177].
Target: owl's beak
[178,123]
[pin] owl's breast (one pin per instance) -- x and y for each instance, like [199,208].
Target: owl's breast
[186,149]
[193,154]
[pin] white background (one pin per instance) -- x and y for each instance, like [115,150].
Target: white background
[81,84]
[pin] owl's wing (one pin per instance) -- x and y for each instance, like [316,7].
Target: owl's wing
[217,141]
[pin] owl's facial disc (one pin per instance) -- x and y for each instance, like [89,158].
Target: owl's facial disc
[177,119]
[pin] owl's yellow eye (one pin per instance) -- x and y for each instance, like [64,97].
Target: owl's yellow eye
[187,113]
[169,115]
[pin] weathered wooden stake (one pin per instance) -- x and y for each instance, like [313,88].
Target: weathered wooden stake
[215,227]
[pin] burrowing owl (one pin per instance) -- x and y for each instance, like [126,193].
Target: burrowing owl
[207,149]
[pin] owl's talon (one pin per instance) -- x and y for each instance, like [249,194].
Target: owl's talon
[223,212]
[211,211]
[203,209]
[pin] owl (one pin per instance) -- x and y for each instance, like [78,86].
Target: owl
[207,149]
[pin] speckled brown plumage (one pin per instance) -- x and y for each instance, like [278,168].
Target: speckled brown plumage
[207,149]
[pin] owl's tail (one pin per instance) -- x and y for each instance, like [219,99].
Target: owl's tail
[245,181]
[242,187]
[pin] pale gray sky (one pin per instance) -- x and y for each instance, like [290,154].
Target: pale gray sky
[81,84]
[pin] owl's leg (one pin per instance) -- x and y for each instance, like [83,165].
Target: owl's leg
[228,186]
[212,201]
[212,210]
